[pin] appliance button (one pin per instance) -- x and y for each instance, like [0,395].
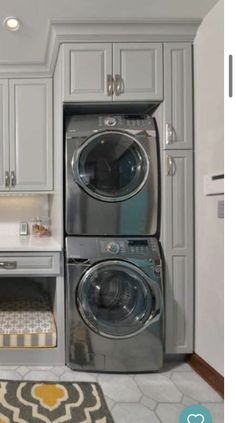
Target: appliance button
[113,247]
[110,121]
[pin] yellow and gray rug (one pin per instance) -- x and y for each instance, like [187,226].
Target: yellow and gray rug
[37,402]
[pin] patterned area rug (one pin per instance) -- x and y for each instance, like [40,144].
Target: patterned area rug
[36,402]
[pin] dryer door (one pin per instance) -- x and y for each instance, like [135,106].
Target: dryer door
[115,299]
[111,166]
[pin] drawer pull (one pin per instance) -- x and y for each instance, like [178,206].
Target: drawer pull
[8,265]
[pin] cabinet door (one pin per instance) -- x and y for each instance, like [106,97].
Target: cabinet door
[31,134]
[4,141]
[88,72]
[178,108]
[138,71]
[177,241]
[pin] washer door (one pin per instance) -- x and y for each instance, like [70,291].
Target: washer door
[115,299]
[111,166]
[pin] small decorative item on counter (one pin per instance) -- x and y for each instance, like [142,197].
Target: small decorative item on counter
[40,226]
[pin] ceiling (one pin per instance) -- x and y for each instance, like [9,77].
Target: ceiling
[28,45]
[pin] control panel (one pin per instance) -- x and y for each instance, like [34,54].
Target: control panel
[132,247]
[126,121]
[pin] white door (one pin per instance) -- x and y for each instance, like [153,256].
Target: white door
[87,72]
[138,71]
[4,140]
[31,164]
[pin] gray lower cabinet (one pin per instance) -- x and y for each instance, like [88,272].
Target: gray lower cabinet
[177,242]
[26,162]
[112,72]
[4,146]
[178,101]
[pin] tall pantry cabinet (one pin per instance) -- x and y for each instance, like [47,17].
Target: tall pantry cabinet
[177,197]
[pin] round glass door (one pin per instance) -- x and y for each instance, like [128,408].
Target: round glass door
[114,298]
[111,166]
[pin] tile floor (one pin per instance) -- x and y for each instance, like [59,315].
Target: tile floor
[141,398]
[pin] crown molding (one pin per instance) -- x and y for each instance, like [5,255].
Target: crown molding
[71,30]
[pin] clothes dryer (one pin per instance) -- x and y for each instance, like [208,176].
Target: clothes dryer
[111,175]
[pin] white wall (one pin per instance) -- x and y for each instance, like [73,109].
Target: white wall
[208,86]
[20,208]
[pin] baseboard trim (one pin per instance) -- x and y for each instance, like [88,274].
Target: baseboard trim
[210,375]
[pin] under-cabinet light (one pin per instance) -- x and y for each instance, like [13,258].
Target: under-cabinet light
[11,23]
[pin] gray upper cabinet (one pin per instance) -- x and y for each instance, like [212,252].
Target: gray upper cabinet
[178,109]
[87,72]
[177,242]
[138,71]
[26,135]
[4,145]
[113,72]
[30,120]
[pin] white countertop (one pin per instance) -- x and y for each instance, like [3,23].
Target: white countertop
[9,242]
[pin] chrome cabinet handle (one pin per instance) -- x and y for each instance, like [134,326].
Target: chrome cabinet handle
[171,166]
[119,85]
[7,179]
[13,179]
[8,265]
[110,84]
[170,134]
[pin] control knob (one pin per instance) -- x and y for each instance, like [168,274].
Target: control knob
[113,248]
[110,121]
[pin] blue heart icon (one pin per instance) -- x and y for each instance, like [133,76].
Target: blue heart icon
[195,414]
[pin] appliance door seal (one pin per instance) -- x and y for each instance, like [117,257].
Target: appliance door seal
[117,299]
[111,166]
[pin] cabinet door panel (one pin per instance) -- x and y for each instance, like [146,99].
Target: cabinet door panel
[177,241]
[178,110]
[31,134]
[86,67]
[140,66]
[4,139]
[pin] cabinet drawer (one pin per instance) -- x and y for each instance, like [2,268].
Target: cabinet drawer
[25,264]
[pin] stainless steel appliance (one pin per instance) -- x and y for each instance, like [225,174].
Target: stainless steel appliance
[111,175]
[114,304]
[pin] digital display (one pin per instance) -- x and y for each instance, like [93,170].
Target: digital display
[138,242]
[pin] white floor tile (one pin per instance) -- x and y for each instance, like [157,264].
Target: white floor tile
[148,402]
[120,388]
[193,385]
[41,375]
[133,413]
[72,376]
[23,370]
[9,375]
[169,413]
[158,387]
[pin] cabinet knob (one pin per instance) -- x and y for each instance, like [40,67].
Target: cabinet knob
[170,134]
[7,179]
[110,85]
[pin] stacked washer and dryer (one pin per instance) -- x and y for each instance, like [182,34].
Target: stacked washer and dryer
[114,313]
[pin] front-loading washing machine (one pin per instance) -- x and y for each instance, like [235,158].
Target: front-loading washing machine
[114,319]
[111,175]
